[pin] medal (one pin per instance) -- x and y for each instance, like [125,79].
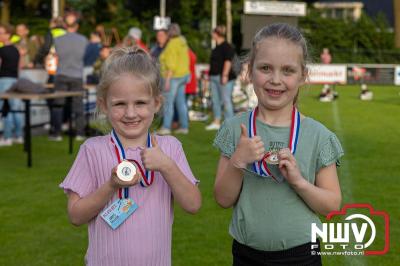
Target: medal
[147,176]
[126,171]
[271,157]
[123,207]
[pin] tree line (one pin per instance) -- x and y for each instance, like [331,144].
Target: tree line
[368,40]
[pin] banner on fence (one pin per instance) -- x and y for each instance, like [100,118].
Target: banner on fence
[327,74]
[371,74]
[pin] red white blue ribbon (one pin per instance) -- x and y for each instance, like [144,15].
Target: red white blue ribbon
[261,167]
[148,176]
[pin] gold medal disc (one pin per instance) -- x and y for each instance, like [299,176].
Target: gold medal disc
[272,158]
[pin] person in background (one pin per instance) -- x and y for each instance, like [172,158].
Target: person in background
[191,86]
[23,57]
[161,41]
[155,52]
[190,89]
[94,78]
[134,37]
[174,61]
[26,44]
[359,74]
[326,57]
[14,39]
[222,77]
[9,57]
[92,52]
[70,49]
[328,92]
[46,56]
[56,30]
[366,94]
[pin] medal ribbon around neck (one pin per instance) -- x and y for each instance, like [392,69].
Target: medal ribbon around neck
[261,167]
[148,176]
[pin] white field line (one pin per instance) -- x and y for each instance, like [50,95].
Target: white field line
[345,179]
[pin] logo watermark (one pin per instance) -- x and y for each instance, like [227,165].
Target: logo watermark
[353,236]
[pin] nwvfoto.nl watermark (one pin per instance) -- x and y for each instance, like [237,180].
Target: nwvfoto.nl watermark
[350,237]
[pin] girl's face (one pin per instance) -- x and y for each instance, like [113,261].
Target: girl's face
[277,73]
[130,107]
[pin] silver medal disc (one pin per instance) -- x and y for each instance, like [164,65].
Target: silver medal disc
[126,171]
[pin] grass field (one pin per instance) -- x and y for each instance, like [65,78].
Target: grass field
[34,229]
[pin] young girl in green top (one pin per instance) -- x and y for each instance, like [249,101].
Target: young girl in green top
[277,167]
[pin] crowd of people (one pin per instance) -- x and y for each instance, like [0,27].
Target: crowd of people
[71,60]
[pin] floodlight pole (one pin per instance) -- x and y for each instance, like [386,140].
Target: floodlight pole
[396,11]
[55,8]
[162,8]
[213,19]
[228,6]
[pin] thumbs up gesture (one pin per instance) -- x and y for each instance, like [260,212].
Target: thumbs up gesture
[248,149]
[154,158]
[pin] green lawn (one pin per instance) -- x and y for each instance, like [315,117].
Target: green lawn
[34,228]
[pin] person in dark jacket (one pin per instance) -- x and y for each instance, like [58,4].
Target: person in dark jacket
[9,57]
[57,29]
[222,77]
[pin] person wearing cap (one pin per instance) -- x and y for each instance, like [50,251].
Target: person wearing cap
[135,38]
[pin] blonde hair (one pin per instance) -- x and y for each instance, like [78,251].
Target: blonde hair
[281,31]
[130,60]
[285,32]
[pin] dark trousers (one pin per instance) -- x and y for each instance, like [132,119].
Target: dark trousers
[299,256]
[64,83]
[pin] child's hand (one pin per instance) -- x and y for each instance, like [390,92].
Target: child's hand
[288,167]
[154,158]
[248,150]
[118,183]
